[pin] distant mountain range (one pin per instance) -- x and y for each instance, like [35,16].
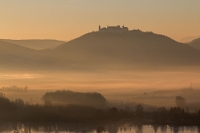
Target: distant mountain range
[16,57]
[102,50]
[36,43]
[188,39]
[195,43]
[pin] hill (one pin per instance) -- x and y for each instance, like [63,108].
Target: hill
[101,51]
[195,43]
[128,49]
[36,44]
[16,57]
[12,54]
[188,39]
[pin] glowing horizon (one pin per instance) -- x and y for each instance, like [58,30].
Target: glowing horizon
[69,19]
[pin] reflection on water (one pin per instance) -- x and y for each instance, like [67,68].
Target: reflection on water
[93,128]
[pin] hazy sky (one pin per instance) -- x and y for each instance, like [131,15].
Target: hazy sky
[68,19]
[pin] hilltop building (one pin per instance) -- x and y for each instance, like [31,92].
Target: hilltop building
[117,28]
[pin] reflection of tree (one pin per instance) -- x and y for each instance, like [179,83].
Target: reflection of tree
[163,128]
[182,128]
[113,129]
[198,129]
[139,129]
[85,128]
[192,129]
[175,129]
[155,128]
[100,129]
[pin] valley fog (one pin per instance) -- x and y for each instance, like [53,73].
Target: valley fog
[156,88]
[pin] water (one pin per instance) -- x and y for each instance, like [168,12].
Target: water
[93,128]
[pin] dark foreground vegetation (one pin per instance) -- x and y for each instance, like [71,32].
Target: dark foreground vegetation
[19,111]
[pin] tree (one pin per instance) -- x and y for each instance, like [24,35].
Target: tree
[180,102]
[48,103]
[19,102]
[2,95]
[5,103]
[161,114]
[139,111]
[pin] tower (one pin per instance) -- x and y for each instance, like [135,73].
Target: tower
[99,27]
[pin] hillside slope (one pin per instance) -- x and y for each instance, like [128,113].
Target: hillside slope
[102,50]
[129,48]
[195,43]
[36,44]
[15,57]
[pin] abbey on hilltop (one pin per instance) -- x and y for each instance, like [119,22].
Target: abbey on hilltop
[117,28]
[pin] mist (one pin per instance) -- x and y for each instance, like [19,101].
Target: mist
[99,67]
[155,88]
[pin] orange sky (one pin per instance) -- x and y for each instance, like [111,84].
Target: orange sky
[68,19]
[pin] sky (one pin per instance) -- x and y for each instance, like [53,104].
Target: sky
[69,19]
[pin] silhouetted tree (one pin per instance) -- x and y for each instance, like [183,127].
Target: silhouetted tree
[2,95]
[48,103]
[198,114]
[19,102]
[14,88]
[139,111]
[160,115]
[5,103]
[177,114]
[180,102]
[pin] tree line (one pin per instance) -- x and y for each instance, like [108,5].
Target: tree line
[18,110]
[14,88]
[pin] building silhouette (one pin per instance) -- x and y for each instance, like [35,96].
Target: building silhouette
[117,28]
